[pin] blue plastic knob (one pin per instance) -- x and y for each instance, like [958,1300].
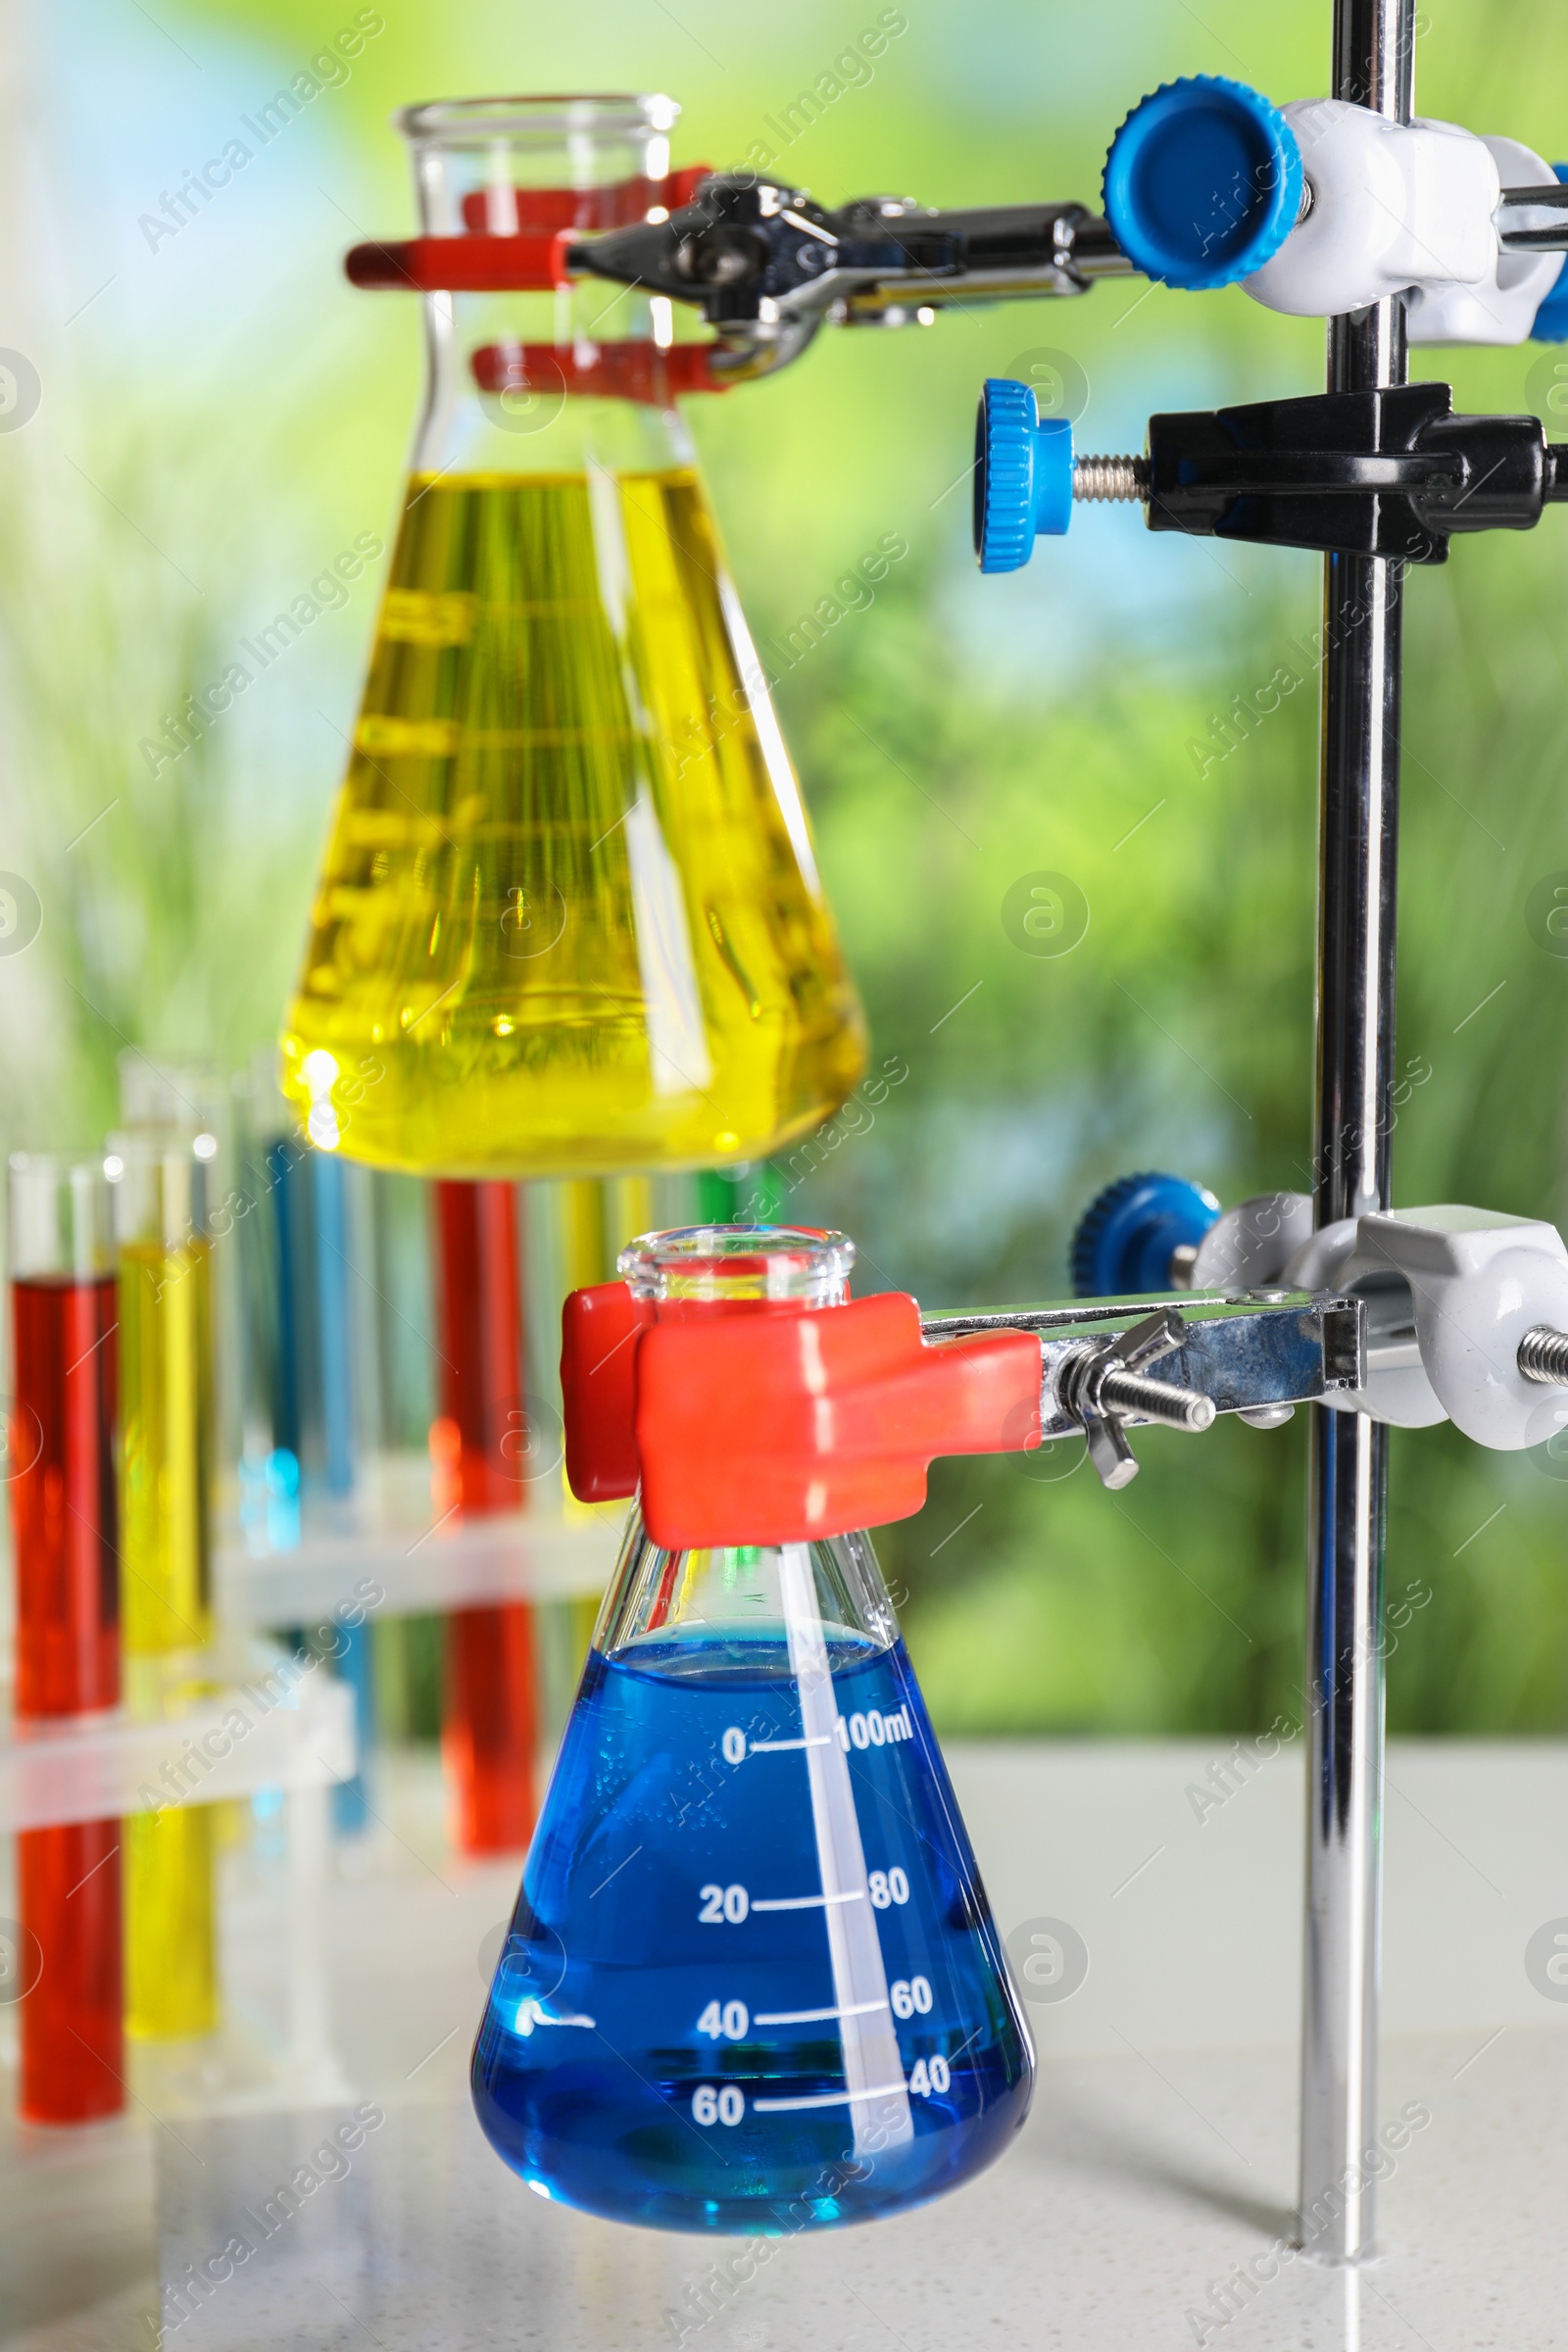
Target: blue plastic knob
[1022,474]
[1128,1233]
[1202,182]
[1552,319]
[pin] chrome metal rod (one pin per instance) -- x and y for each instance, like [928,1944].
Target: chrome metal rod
[1533,220]
[1095,252]
[1373,43]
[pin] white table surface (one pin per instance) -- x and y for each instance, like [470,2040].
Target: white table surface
[1158,2157]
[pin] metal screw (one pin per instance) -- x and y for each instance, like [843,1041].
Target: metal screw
[1111,481]
[1099,1384]
[1155,1400]
[1543,1357]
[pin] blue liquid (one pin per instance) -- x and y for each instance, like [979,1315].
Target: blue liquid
[631,2088]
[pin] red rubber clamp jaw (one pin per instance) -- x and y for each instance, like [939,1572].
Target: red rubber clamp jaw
[502,210]
[517,237]
[528,263]
[790,1425]
[600,1329]
[641,371]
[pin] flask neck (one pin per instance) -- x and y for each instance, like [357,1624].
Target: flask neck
[741,1595]
[565,381]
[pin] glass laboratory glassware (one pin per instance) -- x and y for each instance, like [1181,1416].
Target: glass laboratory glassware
[329,1371]
[752,1982]
[569,919]
[158,1180]
[313,1348]
[195,1097]
[489,1729]
[63,1523]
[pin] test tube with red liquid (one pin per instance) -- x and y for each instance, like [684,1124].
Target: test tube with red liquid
[65,1539]
[481,1448]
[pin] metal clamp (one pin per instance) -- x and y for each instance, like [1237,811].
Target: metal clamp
[1101,1385]
[766,265]
[1256,1355]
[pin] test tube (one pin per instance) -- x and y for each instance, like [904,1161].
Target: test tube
[191,1098]
[408,1651]
[750,1194]
[166,1412]
[335,1332]
[489,1731]
[63,1517]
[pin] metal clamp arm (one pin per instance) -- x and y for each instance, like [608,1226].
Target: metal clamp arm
[1109,1365]
[781,1426]
[766,265]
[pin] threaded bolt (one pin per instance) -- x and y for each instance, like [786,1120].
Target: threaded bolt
[1111,481]
[1543,1357]
[1125,1392]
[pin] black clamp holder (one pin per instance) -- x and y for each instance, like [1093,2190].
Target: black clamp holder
[1393,473]
[1390,472]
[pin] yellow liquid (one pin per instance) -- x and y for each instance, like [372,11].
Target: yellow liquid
[166,1420]
[569,922]
[171,1943]
[166,1384]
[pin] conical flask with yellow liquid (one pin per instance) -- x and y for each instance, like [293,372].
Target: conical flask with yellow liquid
[569,919]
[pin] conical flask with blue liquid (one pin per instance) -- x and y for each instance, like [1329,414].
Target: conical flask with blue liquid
[752,1982]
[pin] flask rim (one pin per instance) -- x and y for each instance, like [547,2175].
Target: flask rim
[804,1264]
[547,117]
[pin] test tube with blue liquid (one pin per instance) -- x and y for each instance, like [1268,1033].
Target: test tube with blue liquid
[315,1376]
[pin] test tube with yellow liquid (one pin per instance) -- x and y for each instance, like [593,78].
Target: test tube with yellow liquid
[569,920]
[166,1412]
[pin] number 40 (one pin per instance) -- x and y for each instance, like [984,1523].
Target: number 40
[929,2075]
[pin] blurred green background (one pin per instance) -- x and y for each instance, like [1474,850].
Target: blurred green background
[220,414]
